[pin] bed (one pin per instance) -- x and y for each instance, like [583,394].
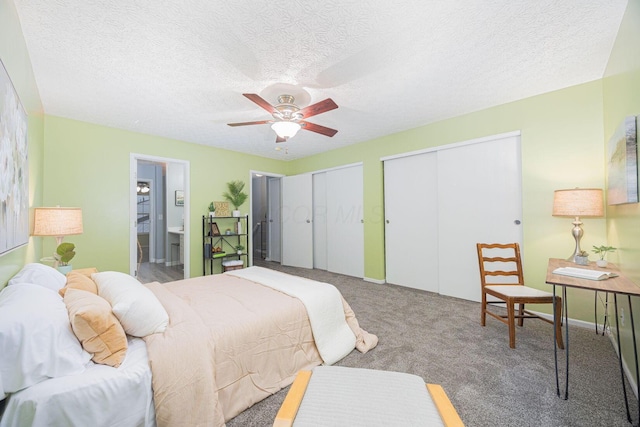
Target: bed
[197,352]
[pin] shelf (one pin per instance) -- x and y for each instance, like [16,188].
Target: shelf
[224,241]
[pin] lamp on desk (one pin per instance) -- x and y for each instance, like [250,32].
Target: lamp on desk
[57,222]
[578,202]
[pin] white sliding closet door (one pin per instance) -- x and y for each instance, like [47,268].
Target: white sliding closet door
[411,221]
[297,231]
[344,218]
[479,200]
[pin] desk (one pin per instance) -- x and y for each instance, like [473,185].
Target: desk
[617,286]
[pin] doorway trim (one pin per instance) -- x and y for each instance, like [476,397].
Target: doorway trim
[454,145]
[133,182]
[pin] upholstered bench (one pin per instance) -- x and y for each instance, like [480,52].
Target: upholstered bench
[340,396]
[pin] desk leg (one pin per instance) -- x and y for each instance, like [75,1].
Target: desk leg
[635,349]
[606,313]
[555,341]
[595,310]
[624,389]
[566,344]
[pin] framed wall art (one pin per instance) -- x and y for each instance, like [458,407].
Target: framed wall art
[623,163]
[14,176]
[179,198]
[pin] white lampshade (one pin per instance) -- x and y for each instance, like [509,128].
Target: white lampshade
[57,222]
[578,202]
[286,129]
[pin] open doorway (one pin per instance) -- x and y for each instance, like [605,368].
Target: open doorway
[159,213]
[265,214]
[145,220]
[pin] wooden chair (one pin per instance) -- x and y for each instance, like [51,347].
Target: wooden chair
[503,261]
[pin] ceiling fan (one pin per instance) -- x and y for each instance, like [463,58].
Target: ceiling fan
[288,118]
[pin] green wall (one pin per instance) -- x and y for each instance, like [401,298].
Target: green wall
[15,57]
[562,147]
[88,166]
[563,139]
[621,99]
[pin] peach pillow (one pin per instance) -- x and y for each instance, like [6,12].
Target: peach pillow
[96,327]
[84,271]
[78,280]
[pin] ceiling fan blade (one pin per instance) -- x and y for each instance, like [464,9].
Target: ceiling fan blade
[260,122]
[280,139]
[318,129]
[261,102]
[318,108]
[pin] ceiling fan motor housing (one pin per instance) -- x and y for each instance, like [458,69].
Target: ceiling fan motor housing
[286,109]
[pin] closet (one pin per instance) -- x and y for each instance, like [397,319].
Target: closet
[322,220]
[440,202]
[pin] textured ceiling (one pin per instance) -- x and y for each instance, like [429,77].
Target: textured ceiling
[178,69]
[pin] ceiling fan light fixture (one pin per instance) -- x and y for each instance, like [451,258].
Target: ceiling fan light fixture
[286,129]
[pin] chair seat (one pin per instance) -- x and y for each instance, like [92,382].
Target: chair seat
[518,291]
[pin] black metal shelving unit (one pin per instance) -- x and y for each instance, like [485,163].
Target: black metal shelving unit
[224,232]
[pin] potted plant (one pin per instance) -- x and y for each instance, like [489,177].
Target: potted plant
[64,254]
[212,210]
[602,251]
[239,248]
[582,258]
[235,195]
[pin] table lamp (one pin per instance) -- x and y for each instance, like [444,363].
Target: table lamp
[57,222]
[578,202]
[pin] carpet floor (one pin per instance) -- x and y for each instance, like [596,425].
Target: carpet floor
[440,339]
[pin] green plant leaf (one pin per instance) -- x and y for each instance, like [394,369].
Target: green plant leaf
[65,252]
[235,195]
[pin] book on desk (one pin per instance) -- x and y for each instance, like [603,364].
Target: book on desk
[583,273]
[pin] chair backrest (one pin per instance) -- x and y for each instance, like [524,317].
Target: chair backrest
[500,264]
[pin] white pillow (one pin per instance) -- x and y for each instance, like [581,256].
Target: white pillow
[135,306]
[40,274]
[36,340]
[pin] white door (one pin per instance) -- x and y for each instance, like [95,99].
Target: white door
[411,221]
[273,220]
[344,219]
[479,200]
[320,249]
[297,231]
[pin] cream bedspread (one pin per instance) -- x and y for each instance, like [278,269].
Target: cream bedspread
[229,344]
[333,337]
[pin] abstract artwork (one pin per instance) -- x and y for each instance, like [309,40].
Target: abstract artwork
[14,176]
[623,164]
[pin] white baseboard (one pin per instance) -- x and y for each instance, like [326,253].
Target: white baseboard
[574,322]
[376,281]
[629,375]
